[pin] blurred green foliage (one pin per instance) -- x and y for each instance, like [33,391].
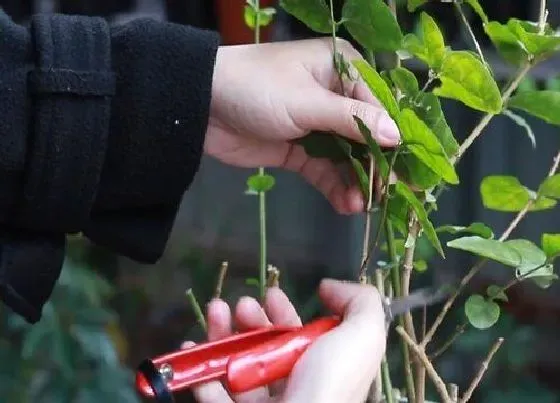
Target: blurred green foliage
[74,353]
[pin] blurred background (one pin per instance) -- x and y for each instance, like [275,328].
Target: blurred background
[108,313]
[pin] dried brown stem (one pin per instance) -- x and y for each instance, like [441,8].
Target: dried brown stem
[221,278]
[273,278]
[432,373]
[458,332]
[483,368]
[453,391]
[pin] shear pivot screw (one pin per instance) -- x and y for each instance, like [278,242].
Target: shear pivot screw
[166,371]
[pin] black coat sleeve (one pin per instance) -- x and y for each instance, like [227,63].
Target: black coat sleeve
[101,132]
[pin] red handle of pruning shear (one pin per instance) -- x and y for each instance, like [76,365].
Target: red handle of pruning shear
[242,362]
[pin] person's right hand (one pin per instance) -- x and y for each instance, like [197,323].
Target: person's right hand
[338,367]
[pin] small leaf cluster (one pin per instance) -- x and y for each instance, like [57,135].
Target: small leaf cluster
[425,159]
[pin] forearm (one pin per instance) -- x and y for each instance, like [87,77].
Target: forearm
[102,133]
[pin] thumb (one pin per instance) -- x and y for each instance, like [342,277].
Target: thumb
[353,301]
[328,111]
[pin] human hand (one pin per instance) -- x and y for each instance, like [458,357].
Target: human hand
[265,96]
[338,367]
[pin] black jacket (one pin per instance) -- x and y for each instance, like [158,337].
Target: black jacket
[101,132]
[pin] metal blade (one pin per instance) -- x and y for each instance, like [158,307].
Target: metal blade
[418,299]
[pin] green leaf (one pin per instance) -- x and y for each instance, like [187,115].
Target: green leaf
[519,41]
[506,42]
[507,194]
[325,145]
[378,87]
[313,13]
[397,212]
[465,78]
[488,248]
[95,343]
[266,15]
[423,143]
[481,313]
[252,282]
[476,228]
[430,46]
[522,123]
[428,228]
[496,293]
[533,263]
[550,244]
[380,159]
[261,183]
[405,81]
[503,193]
[536,44]
[412,5]
[363,178]
[542,104]
[550,187]
[478,9]
[420,266]
[372,24]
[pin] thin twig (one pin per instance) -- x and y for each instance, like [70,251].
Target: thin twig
[385,375]
[221,278]
[196,308]
[483,368]
[543,15]
[453,391]
[458,332]
[478,266]
[436,379]
[396,291]
[367,228]
[470,30]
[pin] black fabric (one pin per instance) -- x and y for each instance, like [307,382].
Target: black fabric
[101,131]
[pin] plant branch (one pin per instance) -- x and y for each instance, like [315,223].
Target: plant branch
[367,228]
[477,131]
[458,332]
[483,368]
[385,375]
[543,15]
[419,351]
[469,29]
[221,278]
[396,284]
[476,268]
[196,308]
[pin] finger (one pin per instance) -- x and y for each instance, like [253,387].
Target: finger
[249,315]
[282,313]
[219,320]
[357,343]
[187,344]
[219,326]
[324,110]
[326,177]
[279,308]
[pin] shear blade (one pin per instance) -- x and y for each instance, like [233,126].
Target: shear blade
[420,298]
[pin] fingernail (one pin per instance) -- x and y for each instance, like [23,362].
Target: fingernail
[388,129]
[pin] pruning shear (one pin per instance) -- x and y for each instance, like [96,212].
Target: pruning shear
[248,360]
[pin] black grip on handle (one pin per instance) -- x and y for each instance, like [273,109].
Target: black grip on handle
[156,382]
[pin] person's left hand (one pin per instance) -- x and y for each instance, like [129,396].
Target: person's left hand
[265,96]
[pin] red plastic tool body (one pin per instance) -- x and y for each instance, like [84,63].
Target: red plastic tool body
[243,361]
